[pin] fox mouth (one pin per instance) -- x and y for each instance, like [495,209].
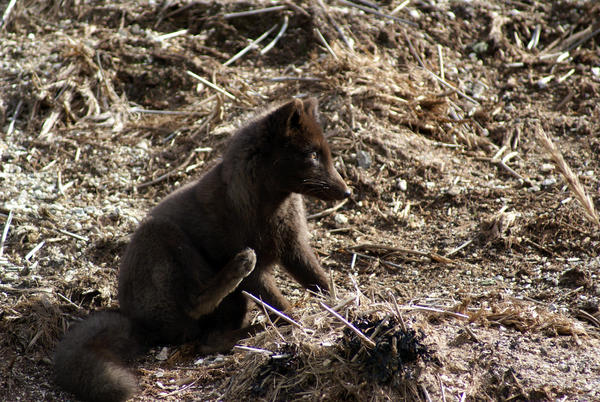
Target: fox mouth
[324,190]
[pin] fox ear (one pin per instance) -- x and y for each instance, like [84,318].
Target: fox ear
[287,116]
[311,108]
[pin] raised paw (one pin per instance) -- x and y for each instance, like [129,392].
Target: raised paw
[245,261]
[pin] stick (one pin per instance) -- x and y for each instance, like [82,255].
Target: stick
[5,231]
[7,12]
[277,37]
[35,250]
[11,126]
[457,249]
[400,7]
[166,175]
[441,61]
[153,111]
[253,12]
[255,350]
[75,235]
[434,310]
[442,81]
[250,46]
[171,35]
[324,42]
[286,78]
[336,26]
[367,341]
[327,211]
[273,310]
[210,84]
[372,246]
[377,13]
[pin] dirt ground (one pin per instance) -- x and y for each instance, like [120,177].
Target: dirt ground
[435,110]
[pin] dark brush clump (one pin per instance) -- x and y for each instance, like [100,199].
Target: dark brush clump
[394,349]
[284,362]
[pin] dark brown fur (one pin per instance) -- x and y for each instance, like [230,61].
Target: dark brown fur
[182,275]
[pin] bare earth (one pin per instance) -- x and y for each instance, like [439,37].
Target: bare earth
[461,224]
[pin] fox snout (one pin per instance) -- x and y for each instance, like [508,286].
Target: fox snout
[339,188]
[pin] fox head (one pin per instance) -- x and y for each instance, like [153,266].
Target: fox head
[302,160]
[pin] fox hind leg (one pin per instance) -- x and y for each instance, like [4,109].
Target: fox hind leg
[226,281]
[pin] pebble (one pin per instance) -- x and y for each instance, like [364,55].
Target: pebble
[163,354]
[402,185]
[340,219]
[363,159]
[547,168]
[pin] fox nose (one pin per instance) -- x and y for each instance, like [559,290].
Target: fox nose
[347,193]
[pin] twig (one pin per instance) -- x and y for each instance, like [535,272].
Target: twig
[397,310]
[441,61]
[434,75]
[400,7]
[381,260]
[327,211]
[377,13]
[253,12]
[277,37]
[589,317]
[211,85]
[166,112]
[457,249]
[7,12]
[75,235]
[434,310]
[286,78]
[336,26]
[535,38]
[65,298]
[273,310]
[255,350]
[10,289]
[166,175]
[11,126]
[367,341]
[35,250]
[250,46]
[345,302]
[324,42]
[171,35]
[5,231]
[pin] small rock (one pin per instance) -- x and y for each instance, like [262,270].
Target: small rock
[415,14]
[549,182]
[547,168]
[480,47]
[363,159]
[163,354]
[340,219]
[453,191]
[402,185]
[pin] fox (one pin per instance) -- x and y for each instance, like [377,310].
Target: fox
[182,275]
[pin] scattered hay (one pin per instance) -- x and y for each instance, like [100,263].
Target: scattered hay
[324,359]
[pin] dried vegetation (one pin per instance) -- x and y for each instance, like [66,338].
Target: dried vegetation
[465,264]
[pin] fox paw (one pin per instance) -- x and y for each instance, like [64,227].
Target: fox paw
[245,261]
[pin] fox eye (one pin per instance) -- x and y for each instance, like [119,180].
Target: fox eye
[313,156]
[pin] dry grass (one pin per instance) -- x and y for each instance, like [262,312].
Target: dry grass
[571,178]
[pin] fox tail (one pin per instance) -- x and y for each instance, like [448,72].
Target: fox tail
[91,360]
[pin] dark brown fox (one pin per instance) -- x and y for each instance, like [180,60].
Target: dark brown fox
[181,277]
